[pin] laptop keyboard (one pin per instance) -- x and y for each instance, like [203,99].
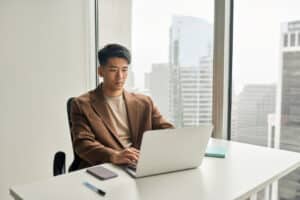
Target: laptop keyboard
[132,167]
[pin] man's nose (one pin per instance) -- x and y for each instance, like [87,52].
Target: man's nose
[120,74]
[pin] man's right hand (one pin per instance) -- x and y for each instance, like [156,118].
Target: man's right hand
[127,156]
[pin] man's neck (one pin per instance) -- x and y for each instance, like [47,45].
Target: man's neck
[109,93]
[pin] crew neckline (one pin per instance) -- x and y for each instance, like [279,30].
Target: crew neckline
[113,98]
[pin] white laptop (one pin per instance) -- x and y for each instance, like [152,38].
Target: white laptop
[170,150]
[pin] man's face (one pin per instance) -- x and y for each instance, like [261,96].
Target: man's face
[114,73]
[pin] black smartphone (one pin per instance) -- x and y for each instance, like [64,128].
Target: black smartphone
[101,172]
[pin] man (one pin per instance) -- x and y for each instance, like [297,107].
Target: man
[108,123]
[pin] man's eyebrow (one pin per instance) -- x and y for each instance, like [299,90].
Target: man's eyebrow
[112,66]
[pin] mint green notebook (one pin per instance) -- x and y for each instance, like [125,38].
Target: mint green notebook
[216,151]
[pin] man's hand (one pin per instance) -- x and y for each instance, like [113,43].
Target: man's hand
[127,156]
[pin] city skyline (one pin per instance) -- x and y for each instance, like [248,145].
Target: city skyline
[187,88]
[150,33]
[191,71]
[150,43]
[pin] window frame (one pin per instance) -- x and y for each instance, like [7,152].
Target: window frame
[222,68]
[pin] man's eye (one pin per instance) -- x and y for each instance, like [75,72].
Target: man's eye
[112,70]
[124,70]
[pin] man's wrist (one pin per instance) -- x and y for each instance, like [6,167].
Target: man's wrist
[113,155]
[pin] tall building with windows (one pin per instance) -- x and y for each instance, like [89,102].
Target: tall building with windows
[289,97]
[157,81]
[254,104]
[191,71]
[288,104]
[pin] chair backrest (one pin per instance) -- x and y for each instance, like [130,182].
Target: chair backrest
[75,164]
[59,163]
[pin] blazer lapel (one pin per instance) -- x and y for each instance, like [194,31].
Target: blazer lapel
[132,115]
[101,107]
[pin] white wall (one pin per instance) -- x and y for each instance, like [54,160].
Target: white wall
[115,22]
[46,56]
[115,26]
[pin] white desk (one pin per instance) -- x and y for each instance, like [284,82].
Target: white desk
[246,170]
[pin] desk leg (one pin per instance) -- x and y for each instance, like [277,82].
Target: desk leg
[274,191]
[271,191]
[253,196]
[267,193]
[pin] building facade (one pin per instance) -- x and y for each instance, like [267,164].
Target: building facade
[288,104]
[190,71]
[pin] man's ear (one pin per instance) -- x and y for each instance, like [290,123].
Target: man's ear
[100,71]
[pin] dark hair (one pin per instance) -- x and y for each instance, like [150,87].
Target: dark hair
[112,51]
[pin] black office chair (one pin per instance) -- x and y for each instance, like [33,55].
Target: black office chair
[59,163]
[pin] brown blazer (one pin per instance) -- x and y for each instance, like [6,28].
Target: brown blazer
[94,136]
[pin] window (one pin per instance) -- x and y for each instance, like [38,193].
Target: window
[266,80]
[172,47]
[285,40]
[293,39]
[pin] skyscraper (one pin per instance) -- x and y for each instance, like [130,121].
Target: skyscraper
[289,98]
[288,104]
[191,71]
[254,104]
[190,39]
[157,81]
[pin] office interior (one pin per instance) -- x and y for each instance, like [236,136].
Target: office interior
[48,54]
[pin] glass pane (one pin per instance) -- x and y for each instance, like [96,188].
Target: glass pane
[266,79]
[172,57]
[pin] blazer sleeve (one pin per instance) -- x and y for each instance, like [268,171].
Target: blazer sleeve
[158,121]
[84,142]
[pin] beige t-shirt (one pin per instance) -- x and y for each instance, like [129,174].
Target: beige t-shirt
[120,121]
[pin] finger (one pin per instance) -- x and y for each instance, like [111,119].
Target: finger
[134,149]
[133,163]
[127,161]
[128,152]
[132,157]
